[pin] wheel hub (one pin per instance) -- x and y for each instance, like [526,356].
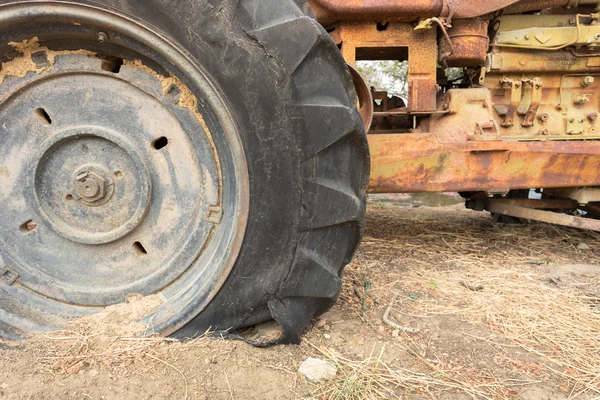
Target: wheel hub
[116,178]
[88,167]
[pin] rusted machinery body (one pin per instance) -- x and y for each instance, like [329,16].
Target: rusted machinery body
[525,114]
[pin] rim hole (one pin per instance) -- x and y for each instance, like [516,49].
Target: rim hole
[140,249]
[69,197]
[28,226]
[44,116]
[112,64]
[40,58]
[118,174]
[160,143]
[382,26]
[173,93]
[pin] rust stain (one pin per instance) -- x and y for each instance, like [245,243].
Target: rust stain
[186,100]
[364,41]
[469,43]
[419,163]
[19,67]
[328,11]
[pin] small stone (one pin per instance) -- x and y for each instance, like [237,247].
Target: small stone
[267,331]
[327,328]
[395,333]
[327,336]
[381,328]
[4,386]
[316,370]
[377,322]
[321,323]
[583,246]
[93,372]
[206,361]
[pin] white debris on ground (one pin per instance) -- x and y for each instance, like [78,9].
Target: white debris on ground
[317,370]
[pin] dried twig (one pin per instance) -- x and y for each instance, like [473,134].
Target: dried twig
[386,319]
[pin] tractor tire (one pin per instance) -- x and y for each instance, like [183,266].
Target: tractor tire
[208,153]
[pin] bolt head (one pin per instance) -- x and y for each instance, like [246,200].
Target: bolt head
[90,187]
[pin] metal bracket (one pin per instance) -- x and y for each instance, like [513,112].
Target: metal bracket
[486,127]
[581,195]
[214,214]
[536,100]
[575,126]
[516,91]
[8,276]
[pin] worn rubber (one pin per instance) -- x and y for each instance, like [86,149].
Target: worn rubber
[292,259]
[293,100]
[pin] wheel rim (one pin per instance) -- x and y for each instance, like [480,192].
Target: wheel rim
[125,181]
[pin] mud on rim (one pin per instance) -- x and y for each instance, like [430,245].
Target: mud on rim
[117,178]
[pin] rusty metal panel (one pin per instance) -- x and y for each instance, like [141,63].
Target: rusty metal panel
[328,11]
[422,55]
[396,10]
[404,163]
[469,43]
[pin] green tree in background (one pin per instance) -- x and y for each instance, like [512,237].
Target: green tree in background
[390,76]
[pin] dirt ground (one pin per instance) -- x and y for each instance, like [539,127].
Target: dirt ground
[474,310]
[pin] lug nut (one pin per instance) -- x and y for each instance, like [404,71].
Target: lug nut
[587,80]
[90,186]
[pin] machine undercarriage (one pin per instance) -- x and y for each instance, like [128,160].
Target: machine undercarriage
[523,114]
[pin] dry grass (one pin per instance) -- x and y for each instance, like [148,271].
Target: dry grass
[440,263]
[554,323]
[72,351]
[372,378]
[86,347]
[492,276]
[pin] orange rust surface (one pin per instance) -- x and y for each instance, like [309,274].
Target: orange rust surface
[470,43]
[421,48]
[401,10]
[404,163]
[328,11]
[530,121]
